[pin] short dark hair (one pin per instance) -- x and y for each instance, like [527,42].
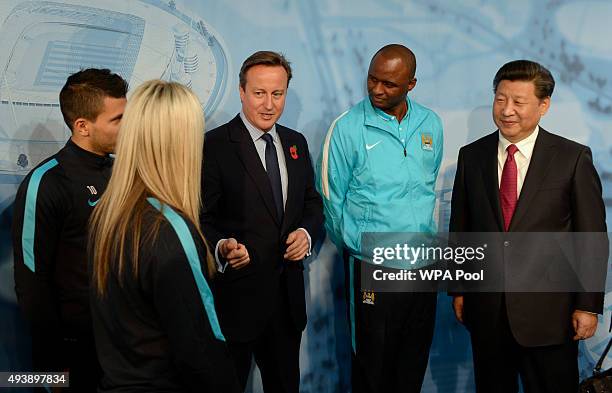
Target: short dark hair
[267,58]
[530,71]
[83,94]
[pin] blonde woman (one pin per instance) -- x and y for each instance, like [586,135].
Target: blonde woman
[154,318]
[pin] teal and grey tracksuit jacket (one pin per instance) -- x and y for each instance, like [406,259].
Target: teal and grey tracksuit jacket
[376,174]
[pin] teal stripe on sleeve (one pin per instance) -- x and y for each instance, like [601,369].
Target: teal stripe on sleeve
[182,231]
[29,214]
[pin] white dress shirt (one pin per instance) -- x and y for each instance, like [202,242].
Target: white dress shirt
[522,157]
[260,145]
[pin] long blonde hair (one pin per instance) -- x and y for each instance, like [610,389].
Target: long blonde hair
[159,154]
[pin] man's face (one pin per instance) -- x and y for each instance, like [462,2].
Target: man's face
[103,131]
[263,95]
[389,81]
[517,110]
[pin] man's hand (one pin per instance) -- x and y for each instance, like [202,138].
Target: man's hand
[458,307]
[236,254]
[585,324]
[297,246]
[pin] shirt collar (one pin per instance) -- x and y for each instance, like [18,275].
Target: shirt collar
[378,118]
[255,132]
[524,146]
[382,114]
[387,117]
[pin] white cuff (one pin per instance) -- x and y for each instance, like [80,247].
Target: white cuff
[220,266]
[309,241]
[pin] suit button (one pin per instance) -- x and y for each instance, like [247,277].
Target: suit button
[507,243]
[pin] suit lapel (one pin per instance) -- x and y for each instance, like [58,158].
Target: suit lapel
[489,174]
[293,176]
[245,149]
[539,166]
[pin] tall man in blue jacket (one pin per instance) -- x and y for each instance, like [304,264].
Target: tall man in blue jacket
[377,173]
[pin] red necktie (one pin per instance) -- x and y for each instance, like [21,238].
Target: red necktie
[508,187]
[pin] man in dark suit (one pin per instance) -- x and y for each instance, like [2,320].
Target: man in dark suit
[522,178]
[262,214]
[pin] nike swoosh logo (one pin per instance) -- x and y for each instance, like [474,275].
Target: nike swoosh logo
[94,203]
[368,147]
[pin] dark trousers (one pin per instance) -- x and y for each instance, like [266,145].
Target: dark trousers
[391,335]
[499,360]
[276,352]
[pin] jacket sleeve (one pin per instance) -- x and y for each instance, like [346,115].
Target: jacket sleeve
[201,358]
[334,171]
[459,215]
[459,207]
[39,212]
[589,215]
[439,146]
[212,197]
[312,216]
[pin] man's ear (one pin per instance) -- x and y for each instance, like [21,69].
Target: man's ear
[81,127]
[544,106]
[412,84]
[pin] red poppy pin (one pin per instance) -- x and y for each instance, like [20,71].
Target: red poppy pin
[293,151]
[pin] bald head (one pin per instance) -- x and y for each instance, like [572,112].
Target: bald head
[397,53]
[390,78]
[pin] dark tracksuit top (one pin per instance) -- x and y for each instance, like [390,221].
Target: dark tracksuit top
[51,213]
[158,331]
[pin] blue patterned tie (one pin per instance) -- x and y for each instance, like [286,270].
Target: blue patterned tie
[274,175]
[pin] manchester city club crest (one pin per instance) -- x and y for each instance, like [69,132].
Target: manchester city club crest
[368,297]
[426,141]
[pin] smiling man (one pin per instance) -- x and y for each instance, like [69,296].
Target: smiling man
[261,213]
[521,178]
[52,209]
[377,173]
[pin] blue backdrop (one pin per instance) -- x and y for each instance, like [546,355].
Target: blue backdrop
[459,46]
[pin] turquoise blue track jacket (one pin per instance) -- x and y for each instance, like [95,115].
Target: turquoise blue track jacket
[378,175]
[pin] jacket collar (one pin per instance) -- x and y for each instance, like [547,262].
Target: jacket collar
[252,163]
[255,132]
[539,166]
[375,117]
[88,157]
[543,153]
